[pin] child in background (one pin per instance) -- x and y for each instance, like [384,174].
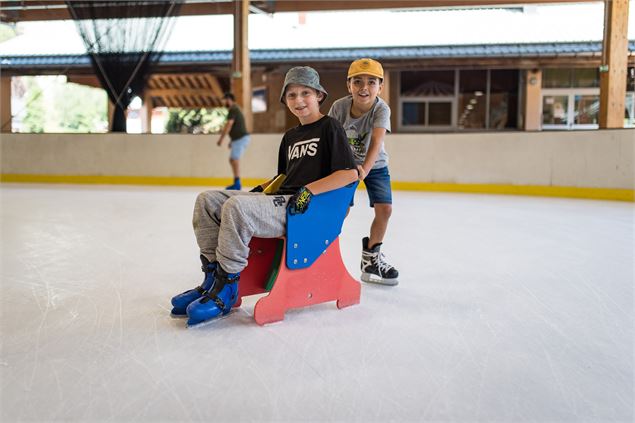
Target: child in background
[315,158]
[239,137]
[366,119]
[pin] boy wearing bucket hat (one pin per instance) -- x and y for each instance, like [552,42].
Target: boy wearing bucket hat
[315,158]
[366,119]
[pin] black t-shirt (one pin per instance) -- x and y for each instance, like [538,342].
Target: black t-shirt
[238,129]
[311,152]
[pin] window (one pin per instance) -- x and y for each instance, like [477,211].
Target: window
[556,78]
[472,102]
[259,100]
[459,100]
[629,110]
[585,78]
[586,109]
[427,84]
[503,99]
[629,104]
[414,113]
[554,109]
[427,99]
[571,78]
[439,113]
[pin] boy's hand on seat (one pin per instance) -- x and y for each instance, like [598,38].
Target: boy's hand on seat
[299,202]
[257,188]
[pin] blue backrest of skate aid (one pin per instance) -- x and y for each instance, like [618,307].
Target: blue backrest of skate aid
[310,233]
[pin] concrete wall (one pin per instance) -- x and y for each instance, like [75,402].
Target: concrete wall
[592,159]
[576,159]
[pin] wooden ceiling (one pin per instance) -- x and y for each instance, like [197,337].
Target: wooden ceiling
[191,90]
[36,10]
[186,90]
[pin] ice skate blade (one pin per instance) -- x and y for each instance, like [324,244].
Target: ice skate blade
[211,321]
[370,278]
[178,316]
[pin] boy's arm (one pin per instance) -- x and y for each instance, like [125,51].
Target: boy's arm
[225,131]
[335,180]
[299,202]
[341,158]
[376,140]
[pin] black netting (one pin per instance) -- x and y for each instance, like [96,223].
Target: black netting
[123,39]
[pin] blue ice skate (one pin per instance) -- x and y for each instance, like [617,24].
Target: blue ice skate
[216,303]
[181,301]
[236,186]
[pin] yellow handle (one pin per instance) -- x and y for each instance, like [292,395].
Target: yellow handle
[275,184]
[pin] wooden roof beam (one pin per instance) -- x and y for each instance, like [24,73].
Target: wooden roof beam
[179,91]
[215,85]
[324,5]
[17,11]
[45,10]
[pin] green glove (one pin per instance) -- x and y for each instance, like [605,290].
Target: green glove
[299,202]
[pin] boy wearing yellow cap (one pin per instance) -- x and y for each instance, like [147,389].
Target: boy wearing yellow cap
[366,119]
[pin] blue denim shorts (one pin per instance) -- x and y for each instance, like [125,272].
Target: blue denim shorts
[238,147]
[377,184]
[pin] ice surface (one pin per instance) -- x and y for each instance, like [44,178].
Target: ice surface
[509,309]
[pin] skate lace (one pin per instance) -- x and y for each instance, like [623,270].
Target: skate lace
[382,264]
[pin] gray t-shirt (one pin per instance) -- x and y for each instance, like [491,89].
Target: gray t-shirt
[359,130]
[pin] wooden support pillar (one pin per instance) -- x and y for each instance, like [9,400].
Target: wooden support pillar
[614,64]
[146,113]
[241,66]
[385,92]
[393,95]
[5,104]
[533,97]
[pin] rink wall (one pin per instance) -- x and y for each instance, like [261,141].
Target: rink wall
[585,164]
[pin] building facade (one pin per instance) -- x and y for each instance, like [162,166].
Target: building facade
[502,87]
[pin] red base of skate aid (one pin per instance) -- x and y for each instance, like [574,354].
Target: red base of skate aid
[305,267]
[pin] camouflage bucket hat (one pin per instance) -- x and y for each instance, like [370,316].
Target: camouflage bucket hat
[303,75]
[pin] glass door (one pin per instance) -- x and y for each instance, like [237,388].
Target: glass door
[575,108]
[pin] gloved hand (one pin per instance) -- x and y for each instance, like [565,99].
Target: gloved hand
[299,202]
[257,188]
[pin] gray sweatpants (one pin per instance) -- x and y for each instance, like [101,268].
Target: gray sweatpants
[225,221]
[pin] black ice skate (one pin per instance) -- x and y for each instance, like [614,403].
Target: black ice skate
[375,269]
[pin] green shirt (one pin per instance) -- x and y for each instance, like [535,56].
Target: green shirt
[239,129]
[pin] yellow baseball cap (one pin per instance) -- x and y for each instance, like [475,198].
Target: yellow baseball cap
[366,66]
